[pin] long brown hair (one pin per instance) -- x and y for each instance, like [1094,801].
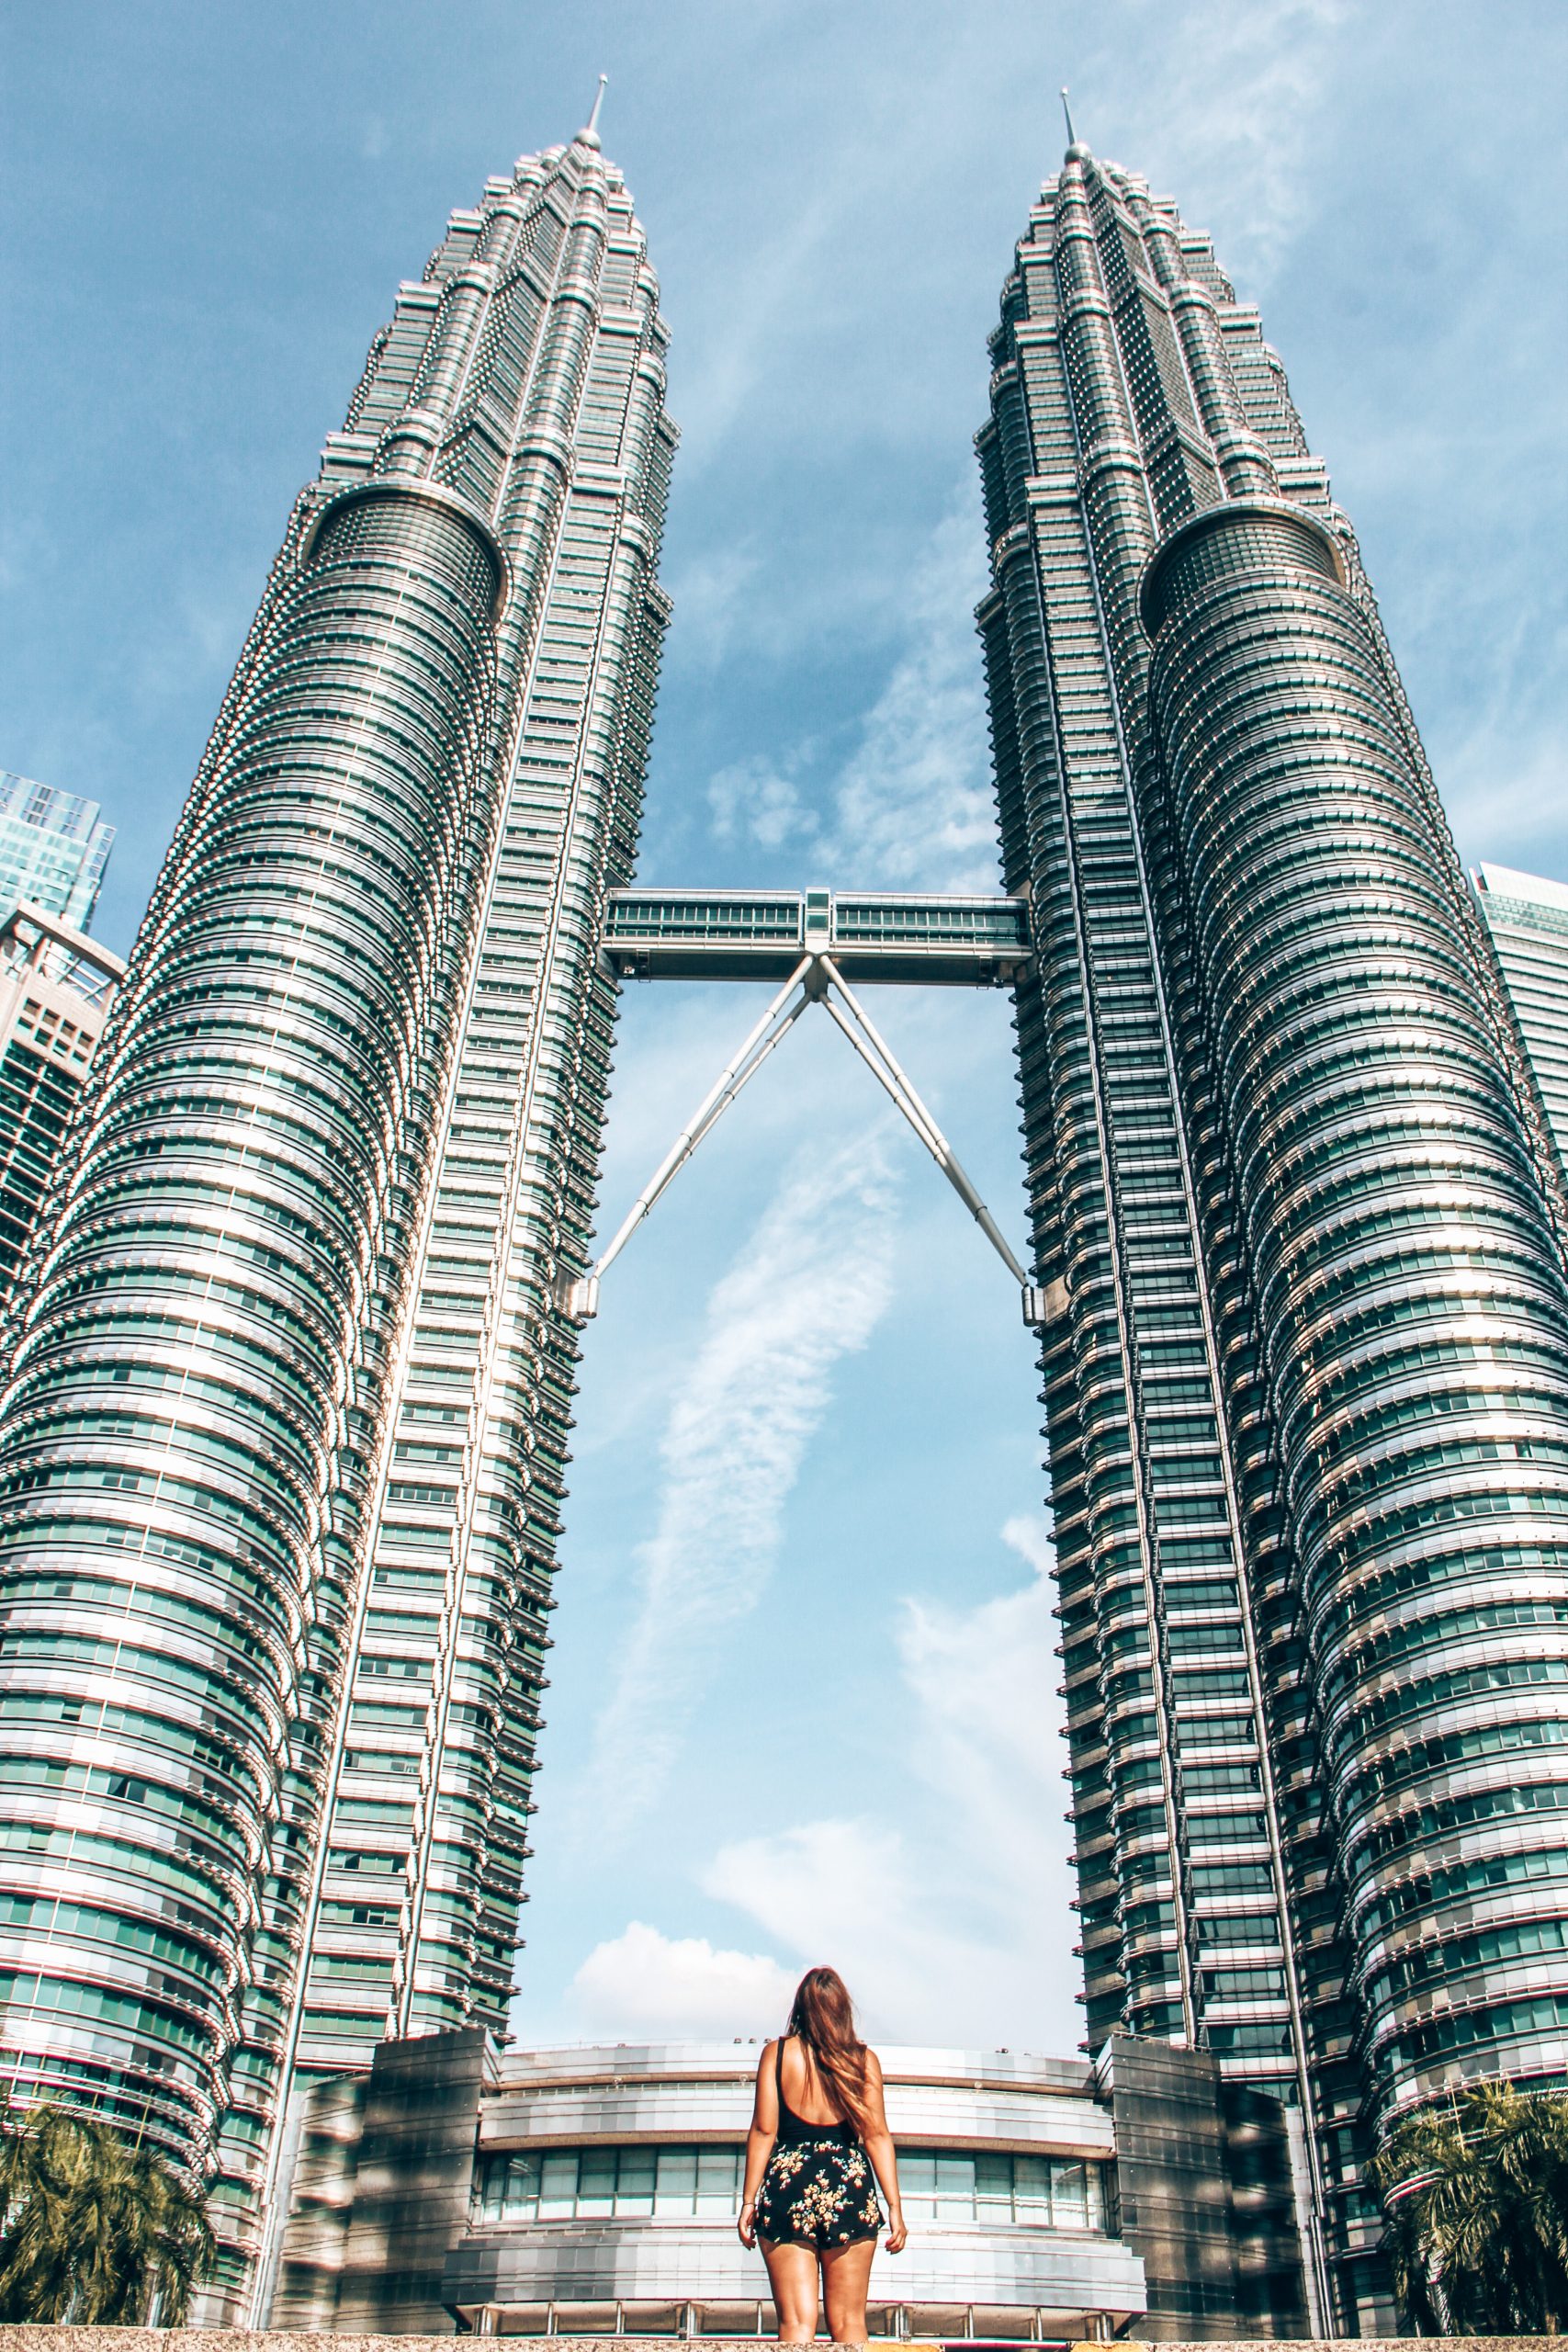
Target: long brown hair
[823,2016]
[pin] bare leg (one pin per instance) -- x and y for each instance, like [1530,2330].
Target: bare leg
[846,2274]
[791,2275]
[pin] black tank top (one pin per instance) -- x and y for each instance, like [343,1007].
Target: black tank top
[793,2128]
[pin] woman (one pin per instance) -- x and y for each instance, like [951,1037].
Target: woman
[809,2194]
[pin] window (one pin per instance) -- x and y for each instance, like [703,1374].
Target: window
[569,2184]
[986,2187]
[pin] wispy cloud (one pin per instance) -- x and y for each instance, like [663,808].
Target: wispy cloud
[914,805]
[642,1981]
[761,304]
[1508,798]
[714,591]
[1246,85]
[911,805]
[948,1922]
[764,801]
[809,1286]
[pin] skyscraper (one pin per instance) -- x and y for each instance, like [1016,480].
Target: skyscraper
[53,850]
[1527,917]
[283,1438]
[55,989]
[1307,1383]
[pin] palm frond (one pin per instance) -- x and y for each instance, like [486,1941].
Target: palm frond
[1476,2205]
[93,2231]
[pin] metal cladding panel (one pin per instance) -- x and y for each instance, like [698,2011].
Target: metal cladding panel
[683,2062]
[692,2111]
[943,2115]
[1398,1219]
[674,935]
[694,2091]
[934,2114]
[695,2261]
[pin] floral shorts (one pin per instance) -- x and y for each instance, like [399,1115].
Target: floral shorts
[817,2193]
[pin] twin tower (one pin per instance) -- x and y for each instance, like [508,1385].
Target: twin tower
[288,1382]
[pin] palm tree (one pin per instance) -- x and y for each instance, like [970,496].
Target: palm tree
[1475,2201]
[92,2230]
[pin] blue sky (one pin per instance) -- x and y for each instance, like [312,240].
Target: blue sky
[803,1695]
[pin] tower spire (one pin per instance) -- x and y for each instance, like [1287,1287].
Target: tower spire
[589,135]
[1072,134]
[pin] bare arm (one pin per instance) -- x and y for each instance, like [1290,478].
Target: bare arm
[883,2156]
[759,2143]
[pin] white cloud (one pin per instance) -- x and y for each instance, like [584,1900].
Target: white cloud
[642,1981]
[914,806]
[948,1923]
[761,801]
[809,1286]
[1029,1534]
[710,591]
[841,1893]
[1247,86]
[1507,799]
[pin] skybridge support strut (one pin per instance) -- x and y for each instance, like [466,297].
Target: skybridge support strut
[879,1058]
[815,980]
[581,1299]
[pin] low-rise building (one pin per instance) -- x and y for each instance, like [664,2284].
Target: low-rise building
[595,2190]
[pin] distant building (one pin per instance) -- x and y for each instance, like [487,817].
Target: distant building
[55,990]
[593,2192]
[1527,917]
[53,850]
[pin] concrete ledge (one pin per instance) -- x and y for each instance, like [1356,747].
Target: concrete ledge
[237,2339]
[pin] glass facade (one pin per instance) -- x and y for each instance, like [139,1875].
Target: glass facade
[53,850]
[1527,917]
[55,987]
[283,1432]
[762,934]
[1307,1378]
[939,2185]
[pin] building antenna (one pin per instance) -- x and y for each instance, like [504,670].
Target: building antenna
[1072,134]
[598,102]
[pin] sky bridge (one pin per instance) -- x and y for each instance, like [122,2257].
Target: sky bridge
[813,942]
[762,934]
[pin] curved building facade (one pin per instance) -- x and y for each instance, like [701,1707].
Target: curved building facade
[283,1432]
[1401,1254]
[1307,1384]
